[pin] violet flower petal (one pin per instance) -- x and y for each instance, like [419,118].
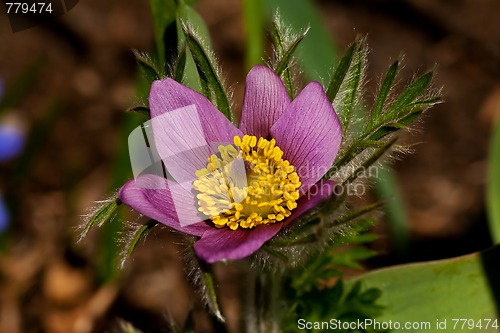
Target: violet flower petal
[309,133]
[227,244]
[152,196]
[11,142]
[186,137]
[265,101]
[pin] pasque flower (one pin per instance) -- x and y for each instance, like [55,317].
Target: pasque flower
[236,188]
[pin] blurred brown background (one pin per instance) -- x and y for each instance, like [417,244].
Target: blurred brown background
[86,80]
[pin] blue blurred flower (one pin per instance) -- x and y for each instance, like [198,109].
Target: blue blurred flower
[11,144]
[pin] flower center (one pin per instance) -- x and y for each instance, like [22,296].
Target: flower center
[247,184]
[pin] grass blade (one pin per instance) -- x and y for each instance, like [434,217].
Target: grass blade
[493,190]
[253,12]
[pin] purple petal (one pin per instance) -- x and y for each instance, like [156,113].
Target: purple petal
[168,95]
[265,101]
[11,142]
[165,202]
[186,126]
[309,133]
[227,244]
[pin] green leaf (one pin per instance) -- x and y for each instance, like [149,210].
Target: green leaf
[140,234]
[493,185]
[190,77]
[104,214]
[385,89]
[339,75]
[463,287]
[355,76]
[286,44]
[207,71]
[408,96]
[164,13]
[208,281]
[351,257]
[288,54]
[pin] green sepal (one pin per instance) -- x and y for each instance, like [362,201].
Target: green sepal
[208,280]
[141,109]
[148,66]
[211,82]
[180,65]
[140,234]
[103,215]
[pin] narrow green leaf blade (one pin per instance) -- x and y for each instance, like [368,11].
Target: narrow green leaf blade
[208,280]
[140,234]
[493,189]
[206,69]
[280,45]
[104,214]
[438,291]
[340,73]
[384,91]
[355,75]
[287,56]
[411,93]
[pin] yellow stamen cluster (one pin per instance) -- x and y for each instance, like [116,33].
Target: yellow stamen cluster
[247,184]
